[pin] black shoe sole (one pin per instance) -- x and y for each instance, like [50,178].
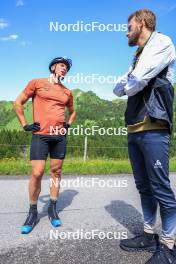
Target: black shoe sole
[148,249]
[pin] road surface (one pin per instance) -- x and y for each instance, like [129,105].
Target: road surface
[96,211]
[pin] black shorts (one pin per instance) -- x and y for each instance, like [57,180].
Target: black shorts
[41,145]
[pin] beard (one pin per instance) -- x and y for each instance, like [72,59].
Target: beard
[132,41]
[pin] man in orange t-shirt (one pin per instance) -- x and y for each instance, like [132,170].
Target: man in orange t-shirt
[49,99]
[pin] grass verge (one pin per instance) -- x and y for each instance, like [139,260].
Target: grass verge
[73,166]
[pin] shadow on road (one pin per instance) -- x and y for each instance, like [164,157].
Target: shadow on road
[65,199]
[126,215]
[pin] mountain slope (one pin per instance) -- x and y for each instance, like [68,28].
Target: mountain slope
[87,104]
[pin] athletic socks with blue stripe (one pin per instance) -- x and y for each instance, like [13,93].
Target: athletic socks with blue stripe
[32,217]
[31,220]
[52,214]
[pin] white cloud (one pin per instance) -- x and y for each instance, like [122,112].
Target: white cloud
[20,3]
[25,43]
[3,23]
[9,38]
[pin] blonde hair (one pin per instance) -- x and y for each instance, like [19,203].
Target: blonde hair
[147,15]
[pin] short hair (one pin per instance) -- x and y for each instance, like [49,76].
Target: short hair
[147,15]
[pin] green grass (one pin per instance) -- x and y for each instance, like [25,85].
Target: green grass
[73,166]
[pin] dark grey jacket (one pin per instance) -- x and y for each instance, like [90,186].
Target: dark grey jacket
[155,101]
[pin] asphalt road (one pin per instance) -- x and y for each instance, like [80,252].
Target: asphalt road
[90,211]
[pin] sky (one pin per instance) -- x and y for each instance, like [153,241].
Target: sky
[27,44]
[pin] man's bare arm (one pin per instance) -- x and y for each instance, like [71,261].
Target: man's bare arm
[19,108]
[72,115]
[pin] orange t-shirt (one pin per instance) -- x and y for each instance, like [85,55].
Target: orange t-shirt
[49,101]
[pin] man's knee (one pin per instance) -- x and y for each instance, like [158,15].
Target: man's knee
[37,174]
[56,171]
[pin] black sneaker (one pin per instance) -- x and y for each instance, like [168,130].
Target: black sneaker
[163,255]
[142,242]
[53,215]
[31,221]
